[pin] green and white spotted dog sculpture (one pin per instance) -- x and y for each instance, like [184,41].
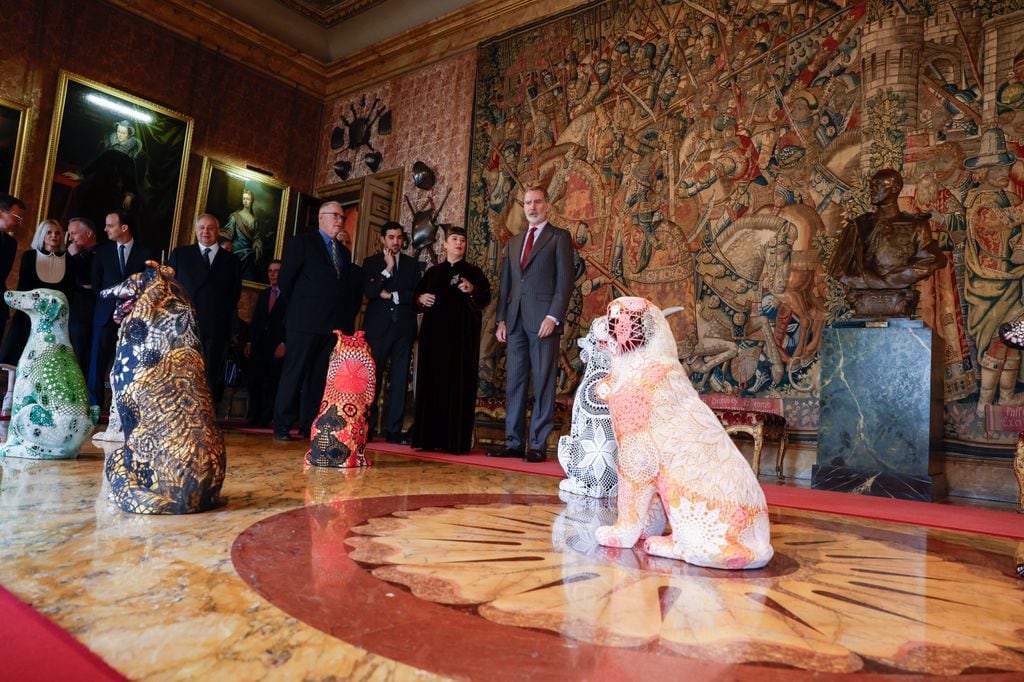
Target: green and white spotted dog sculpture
[50,415]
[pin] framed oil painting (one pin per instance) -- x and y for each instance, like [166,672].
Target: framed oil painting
[252,209]
[13,129]
[110,150]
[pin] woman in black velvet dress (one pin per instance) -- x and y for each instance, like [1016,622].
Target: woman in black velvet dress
[452,296]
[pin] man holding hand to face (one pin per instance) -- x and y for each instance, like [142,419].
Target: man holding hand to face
[389,283]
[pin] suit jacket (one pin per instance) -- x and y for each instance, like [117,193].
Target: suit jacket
[267,327]
[8,249]
[318,301]
[543,287]
[106,272]
[214,288]
[382,313]
[83,298]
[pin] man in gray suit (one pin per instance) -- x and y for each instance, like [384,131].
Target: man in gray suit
[533,295]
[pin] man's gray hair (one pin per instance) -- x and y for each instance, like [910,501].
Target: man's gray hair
[207,215]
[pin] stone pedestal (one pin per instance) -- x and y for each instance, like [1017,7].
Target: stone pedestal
[880,410]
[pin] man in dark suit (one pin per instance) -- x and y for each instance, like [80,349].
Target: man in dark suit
[12,214]
[533,295]
[82,249]
[389,282]
[114,262]
[212,278]
[319,282]
[265,348]
[345,239]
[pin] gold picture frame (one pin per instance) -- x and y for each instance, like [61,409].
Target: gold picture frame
[112,150]
[14,118]
[222,192]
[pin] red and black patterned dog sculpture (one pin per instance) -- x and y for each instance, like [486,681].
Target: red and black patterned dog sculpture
[340,430]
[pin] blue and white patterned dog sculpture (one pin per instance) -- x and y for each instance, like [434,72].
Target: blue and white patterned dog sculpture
[172,461]
[587,454]
[50,415]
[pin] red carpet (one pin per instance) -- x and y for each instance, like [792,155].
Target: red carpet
[32,648]
[1006,524]
[984,521]
[476,458]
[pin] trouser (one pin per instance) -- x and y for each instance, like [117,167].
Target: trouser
[303,377]
[396,349]
[529,357]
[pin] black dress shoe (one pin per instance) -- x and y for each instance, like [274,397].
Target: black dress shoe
[506,452]
[397,439]
[282,435]
[535,456]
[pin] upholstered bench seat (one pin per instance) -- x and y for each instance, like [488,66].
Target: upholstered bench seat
[760,426]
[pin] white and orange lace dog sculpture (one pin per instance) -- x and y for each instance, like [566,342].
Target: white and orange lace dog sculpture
[671,444]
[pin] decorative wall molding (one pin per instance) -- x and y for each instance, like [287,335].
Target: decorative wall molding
[439,39]
[431,42]
[234,39]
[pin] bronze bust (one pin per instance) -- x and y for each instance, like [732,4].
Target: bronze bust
[881,255]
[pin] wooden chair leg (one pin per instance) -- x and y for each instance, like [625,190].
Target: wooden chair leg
[1018,469]
[780,456]
[758,434]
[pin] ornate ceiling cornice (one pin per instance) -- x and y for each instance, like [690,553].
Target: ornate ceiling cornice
[435,40]
[329,13]
[431,42]
[235,39]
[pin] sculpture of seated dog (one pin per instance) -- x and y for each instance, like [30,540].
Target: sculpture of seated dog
[173,459]
[587,454]
[671,444]
[50,415]
[340,430]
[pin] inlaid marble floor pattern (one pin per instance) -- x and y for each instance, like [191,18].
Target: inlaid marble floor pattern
[412,569]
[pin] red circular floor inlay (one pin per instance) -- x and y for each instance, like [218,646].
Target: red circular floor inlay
[510,586]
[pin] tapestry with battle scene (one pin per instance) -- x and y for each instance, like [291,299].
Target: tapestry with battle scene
[704,154]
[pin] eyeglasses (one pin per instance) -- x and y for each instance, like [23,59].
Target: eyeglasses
[17,218]
[335,215]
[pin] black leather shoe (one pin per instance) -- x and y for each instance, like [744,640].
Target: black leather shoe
[535,456]
[397,439]
[282,435]
[506,452]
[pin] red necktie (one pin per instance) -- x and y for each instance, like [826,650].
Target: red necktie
[273,299]
[527,248]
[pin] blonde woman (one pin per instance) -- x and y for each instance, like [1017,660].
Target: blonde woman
[44,266]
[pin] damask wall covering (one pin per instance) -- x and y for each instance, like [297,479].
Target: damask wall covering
[706,154]
[431,110]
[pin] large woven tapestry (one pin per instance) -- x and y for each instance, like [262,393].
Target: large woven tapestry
[704,155]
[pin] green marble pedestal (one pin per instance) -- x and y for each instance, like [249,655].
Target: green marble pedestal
[880,410]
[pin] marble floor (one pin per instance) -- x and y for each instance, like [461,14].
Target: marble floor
[414,569]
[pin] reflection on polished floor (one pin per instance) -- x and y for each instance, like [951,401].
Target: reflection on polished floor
[414,569]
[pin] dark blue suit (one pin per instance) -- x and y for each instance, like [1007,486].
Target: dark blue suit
[319,301]
[214,289]
[390,330]
[266,332]
[106,272]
